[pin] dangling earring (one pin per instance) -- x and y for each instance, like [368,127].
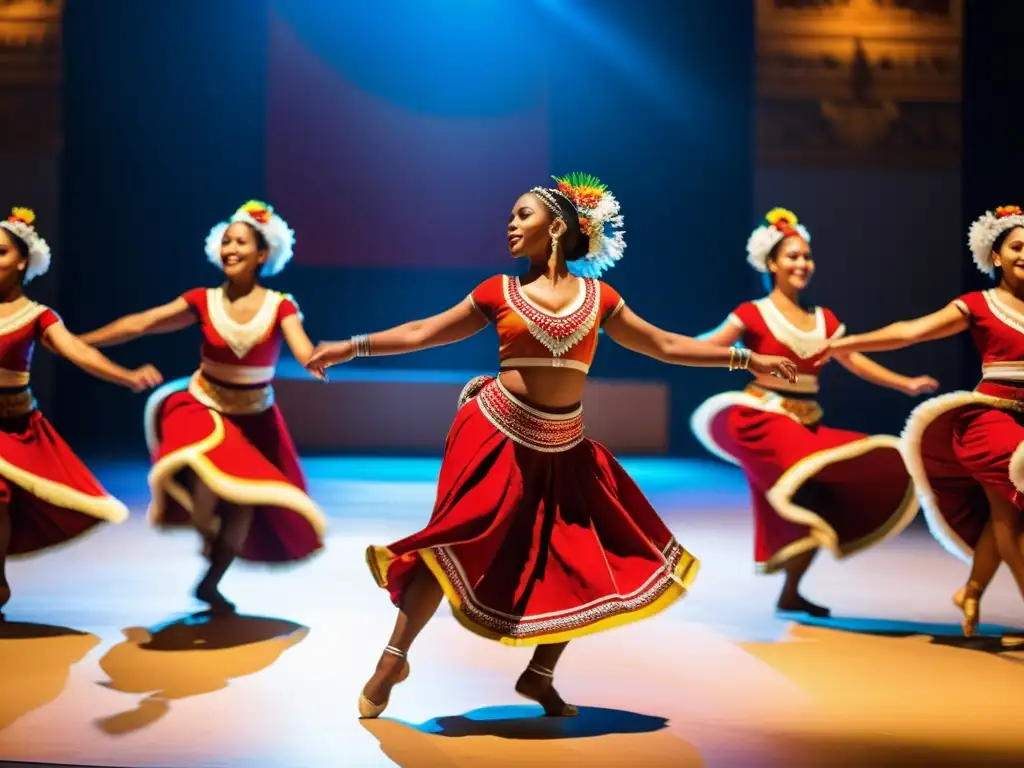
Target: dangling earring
[554,247]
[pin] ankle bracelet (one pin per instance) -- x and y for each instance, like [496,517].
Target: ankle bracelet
[537,669]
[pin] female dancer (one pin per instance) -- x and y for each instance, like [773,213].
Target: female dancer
[807,480]
[538,535]
[964,449]
[47,496]
[223,459]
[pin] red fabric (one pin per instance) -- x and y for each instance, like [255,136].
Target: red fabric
[995,339]
[31,444]
[196,299]
[965,449]
[287,308]
[256,448]
[984,439]
[515,340]
[17,345]
[758,337]
[857,497]
[48,318]
[535,532]
[215,348]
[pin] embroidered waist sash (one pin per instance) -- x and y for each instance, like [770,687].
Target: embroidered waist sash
[546,432]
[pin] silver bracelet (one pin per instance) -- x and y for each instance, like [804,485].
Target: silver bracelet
[740,361]
[362,344]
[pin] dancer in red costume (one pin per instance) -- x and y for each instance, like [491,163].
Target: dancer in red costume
[223,460]
[812,486]
[965,450]
[538,535]
[47,496]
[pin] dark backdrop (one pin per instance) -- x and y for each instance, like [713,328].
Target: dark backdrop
[166,135]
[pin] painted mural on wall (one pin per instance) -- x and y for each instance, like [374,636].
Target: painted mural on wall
[30,74]
[859,82]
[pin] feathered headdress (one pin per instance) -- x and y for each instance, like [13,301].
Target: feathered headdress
[280,238]
[600,220]
[778,225]
[21,222]
[984,231]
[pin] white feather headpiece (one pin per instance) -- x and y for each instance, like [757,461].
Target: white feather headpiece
[779,224]
[279,236]
[21,222]
[600,220]
[984,231]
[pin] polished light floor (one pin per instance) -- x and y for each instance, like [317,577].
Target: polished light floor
[102,661]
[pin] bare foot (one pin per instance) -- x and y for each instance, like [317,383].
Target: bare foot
[799,604]
[391,670]
[540,688]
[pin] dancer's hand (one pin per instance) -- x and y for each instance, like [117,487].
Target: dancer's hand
[920,385]
[328,353]
[144,378]
[826,353]
[780,367]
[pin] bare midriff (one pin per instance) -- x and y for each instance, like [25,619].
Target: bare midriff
[551,389]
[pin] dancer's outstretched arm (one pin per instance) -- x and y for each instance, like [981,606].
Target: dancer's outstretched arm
[633,332]
[725,335]
[297,339]
[163,319]
[948,321]
[865,368]
[458,323]
[91,360]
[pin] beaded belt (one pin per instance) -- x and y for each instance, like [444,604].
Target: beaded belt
[1008,396]
[805,410]
[229,399]
[18,403]
[547,432]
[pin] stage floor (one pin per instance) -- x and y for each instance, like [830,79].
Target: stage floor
[100,663]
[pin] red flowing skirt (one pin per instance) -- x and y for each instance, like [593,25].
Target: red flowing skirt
[812,486]
[538,535]
[958,444]
[246,460]
[52,497]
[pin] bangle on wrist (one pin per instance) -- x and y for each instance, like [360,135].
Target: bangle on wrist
[739,359]
[361,344]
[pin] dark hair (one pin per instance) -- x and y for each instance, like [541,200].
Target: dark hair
[997,244]
[768,279]
[577,245]
[19,244]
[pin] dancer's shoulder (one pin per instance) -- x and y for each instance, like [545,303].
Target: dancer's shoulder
[973,303]
[287,306]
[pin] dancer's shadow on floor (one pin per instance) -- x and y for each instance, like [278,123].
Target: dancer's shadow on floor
[530,738]
[991,638]
[192,656]
[529,722]
[35,662]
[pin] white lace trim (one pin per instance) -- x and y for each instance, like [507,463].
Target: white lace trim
[21,317]
[242,337]
[804,344]
[1007,315]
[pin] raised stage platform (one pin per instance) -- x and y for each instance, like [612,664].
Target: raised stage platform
[103,662]
[374,409]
